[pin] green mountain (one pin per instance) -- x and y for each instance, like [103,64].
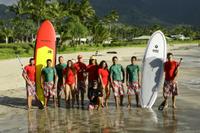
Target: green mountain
[142,12]
[152,11]
[5,13]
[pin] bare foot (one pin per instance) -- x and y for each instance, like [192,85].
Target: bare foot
[166,106]
[129,106]
[106,104]
[174,107]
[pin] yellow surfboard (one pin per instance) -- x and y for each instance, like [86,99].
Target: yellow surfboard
[45,48]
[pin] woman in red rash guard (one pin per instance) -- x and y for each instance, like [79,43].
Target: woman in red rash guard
[104,80]
[70,82]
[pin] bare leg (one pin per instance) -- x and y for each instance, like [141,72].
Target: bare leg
[107,95]
[166,102]
[117,98]
[30,98]
[82,98]
[174,102]
[99,103]
[72,94]
[137,100]
[129,101]
[45,101]
[54,101]
[121,100]
[77,99]
[67,98]
[58,96]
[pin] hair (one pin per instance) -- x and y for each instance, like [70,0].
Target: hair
[168,54]
[49,60]
[60,57]
[94,82]
[114,57]
[133,57]
[31,60]
[90,61]
[72,67]
[101,64]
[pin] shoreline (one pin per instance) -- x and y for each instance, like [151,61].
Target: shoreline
[15,118]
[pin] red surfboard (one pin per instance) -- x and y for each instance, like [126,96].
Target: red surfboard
[45,48]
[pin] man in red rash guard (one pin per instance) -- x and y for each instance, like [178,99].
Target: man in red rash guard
[29,76]
[170,84]
[81,79]
[92,70]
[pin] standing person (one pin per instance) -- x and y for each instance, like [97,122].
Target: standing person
[59,69]
[70,82]
[92,70]
[133,80]
[117,79]
[81,79]
[170,83]
[104,80]
[29,76]
[47,82]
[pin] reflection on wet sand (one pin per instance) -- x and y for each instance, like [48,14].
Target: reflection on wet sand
[170,121]
[77,120]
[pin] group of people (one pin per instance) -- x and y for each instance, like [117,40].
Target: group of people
[77,78]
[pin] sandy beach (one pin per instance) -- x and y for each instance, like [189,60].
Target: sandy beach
[185,119]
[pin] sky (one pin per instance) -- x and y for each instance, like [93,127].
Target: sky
[7,2]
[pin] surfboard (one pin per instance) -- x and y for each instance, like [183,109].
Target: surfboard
[45,48]
[152,69]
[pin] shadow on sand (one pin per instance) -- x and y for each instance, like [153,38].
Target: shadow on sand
[13,102]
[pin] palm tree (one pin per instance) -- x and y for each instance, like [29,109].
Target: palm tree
[72,29]
[6,30]
[100,33]
[85,11]
[111,18]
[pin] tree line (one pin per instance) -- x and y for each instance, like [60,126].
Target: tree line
[74,20]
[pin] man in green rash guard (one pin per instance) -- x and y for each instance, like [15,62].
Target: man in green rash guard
[47,82]
[59,69]
[117,79]
[133,80]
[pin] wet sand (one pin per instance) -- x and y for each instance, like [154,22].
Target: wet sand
[15,118]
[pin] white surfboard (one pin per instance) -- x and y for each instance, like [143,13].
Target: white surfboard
[152,69]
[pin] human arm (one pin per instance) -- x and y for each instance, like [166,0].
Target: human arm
[127,76]
[139,77]
[111,77]
[123,74]
[25,76]
[42,78]
[100,78]
[56,79]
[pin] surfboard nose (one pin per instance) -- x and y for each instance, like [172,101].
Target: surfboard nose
[46,31]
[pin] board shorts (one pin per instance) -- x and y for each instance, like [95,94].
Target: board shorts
[170,89]
[49,89]
[118,88]
[60,87]
[81,86]
[31,89]
[133,88]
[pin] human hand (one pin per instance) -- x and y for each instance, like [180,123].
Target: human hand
[55,86]
[127,83]
[139,85]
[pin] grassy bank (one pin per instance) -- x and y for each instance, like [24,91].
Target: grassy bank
[8,51]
